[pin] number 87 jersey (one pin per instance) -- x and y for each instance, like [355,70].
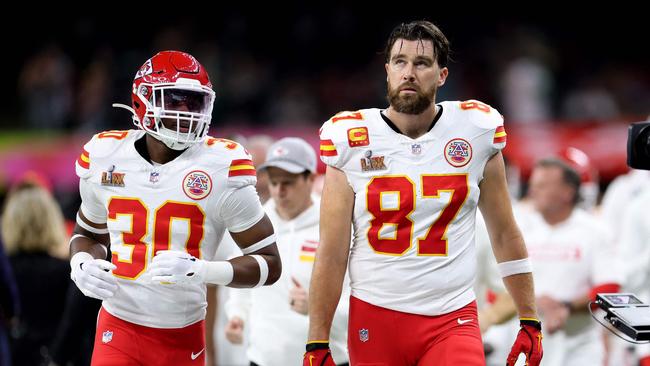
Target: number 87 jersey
[415,203]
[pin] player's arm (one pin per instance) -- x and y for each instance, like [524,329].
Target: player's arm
[89,247]
[512,257]
[251,230]
[507,242]
[258,267]
[331,262]
[95,242]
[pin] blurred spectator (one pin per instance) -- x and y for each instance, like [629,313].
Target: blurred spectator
[72,344]
[45,84]
[527,83]
[590,101]
[9,306]
[620,194]
[32,226]
[246,83]
[635,249]
[294,104]
[527,87]
[93,96]
[257,146]
[589,191]
[277,316]
[569,249]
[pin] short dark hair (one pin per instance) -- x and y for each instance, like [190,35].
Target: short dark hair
[569,175]
[420,30]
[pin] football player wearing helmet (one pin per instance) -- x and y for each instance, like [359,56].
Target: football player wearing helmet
[409,178]
[161,197]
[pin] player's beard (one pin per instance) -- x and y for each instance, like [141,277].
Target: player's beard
[410,103]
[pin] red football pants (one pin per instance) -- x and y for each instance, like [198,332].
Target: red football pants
[381,337]
[121,343]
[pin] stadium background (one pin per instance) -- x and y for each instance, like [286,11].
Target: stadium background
[560,79]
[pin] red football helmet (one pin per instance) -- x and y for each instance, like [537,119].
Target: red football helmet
[172,99]
[581,163]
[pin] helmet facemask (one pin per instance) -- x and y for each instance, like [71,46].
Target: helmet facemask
[178,114]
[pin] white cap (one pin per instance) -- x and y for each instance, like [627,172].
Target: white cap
[292,154]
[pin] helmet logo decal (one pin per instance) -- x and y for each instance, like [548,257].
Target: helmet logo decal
[146,69]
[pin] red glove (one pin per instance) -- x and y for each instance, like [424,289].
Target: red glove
[529,341]
[318,354]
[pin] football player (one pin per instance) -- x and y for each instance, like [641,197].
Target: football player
[161,198]
[410,178]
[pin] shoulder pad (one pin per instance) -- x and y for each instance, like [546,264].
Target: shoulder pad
[241,171]
[339,133]
[481,114]
[100,145]
[485,118]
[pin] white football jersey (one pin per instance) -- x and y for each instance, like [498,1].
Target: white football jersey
[415,203]
[185,204]
[570,258]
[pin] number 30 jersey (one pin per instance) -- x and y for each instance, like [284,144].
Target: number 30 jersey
[415,203]
[185,204]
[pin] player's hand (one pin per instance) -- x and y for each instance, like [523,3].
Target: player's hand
[177,267]
[528,342]
[92,276]
[554,312]
[235,330]
[298,298]
[318,354]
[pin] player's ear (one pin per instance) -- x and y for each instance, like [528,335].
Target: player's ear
[386,68]
[443,76]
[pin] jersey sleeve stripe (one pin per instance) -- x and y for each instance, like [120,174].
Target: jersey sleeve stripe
[499,135]
[241,162]
[242,167]
[237,173]
[327,148]
[84,160]
[326,143]
[328,153]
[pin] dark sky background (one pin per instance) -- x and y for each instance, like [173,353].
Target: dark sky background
[295,43]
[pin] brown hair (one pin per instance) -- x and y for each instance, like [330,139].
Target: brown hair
[421,30]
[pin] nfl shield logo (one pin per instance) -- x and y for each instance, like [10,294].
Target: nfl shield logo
[416,149]
[154,177]
[107,336]
[363,335]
